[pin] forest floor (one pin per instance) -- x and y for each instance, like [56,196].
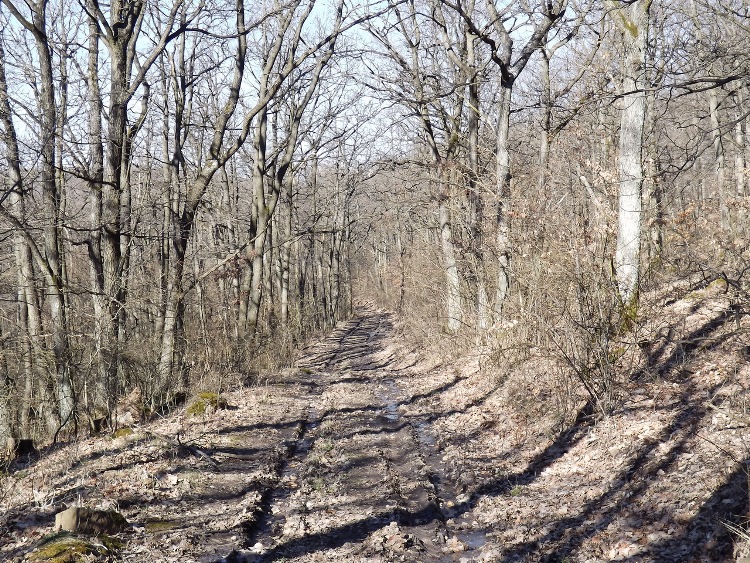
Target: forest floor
[369,449]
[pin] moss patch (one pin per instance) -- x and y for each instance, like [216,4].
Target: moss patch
[206,401]
[112,544]
[67,548]
[122,432]
[516,491]
[157,526]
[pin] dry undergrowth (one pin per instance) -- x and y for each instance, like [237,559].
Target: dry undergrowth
[663,477]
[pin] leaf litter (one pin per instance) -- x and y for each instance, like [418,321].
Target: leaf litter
[371,450]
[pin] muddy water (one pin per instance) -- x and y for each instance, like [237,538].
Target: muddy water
[455,523]
[389,396]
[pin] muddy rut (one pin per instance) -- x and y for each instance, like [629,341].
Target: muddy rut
[361,481]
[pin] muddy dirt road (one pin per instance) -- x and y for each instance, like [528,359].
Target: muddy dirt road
[363,481]
[370,450]
[334,459]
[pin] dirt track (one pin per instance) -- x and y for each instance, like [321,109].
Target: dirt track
[369,451]
[363,481]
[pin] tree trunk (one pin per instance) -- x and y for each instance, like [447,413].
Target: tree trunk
[502,197]
[285,251]
[719,160]
[55,291]
[453,282]
[654,190]
[102,391]
[262,218]
[740,162]
[546,103]
[635,21]
[476,198]
[171,349]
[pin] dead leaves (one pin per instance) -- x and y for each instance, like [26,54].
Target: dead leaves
[394,540]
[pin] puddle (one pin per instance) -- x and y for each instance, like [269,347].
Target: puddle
[313,417]
[472,539]
[390,396]
[391,411]
[454,506]
[424,434]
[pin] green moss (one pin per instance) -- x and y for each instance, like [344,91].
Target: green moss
[112,544]
[719,285]
[62,548]
[122,432]
[205,400]
[628,315]
[156,526]
[516,491]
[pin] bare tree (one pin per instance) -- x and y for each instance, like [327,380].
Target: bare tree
[51,261]
[469,64]
[634,22]
[283,55]
[494,29]
[439,117]
[111,163]
[29,315]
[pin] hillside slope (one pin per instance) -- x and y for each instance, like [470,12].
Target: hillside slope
[371,450]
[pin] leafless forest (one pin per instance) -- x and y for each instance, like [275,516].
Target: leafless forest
[191,191]
[551,196]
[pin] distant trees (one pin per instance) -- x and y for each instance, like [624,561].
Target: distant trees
[49,252]
[635,141]
[445,54]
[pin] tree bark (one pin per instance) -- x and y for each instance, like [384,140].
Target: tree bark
[100,303]
[719,158]
[654,189]
[286,249]
[261,219]
[634,21]
[740,162]
[502,197]
[453,282]
[546,103]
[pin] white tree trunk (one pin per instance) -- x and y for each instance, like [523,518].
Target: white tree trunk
[634,20]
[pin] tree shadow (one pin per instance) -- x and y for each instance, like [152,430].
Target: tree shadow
[704,337]
[729,503]
[632,483]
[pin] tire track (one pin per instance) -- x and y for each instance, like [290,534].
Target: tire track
[360,481]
